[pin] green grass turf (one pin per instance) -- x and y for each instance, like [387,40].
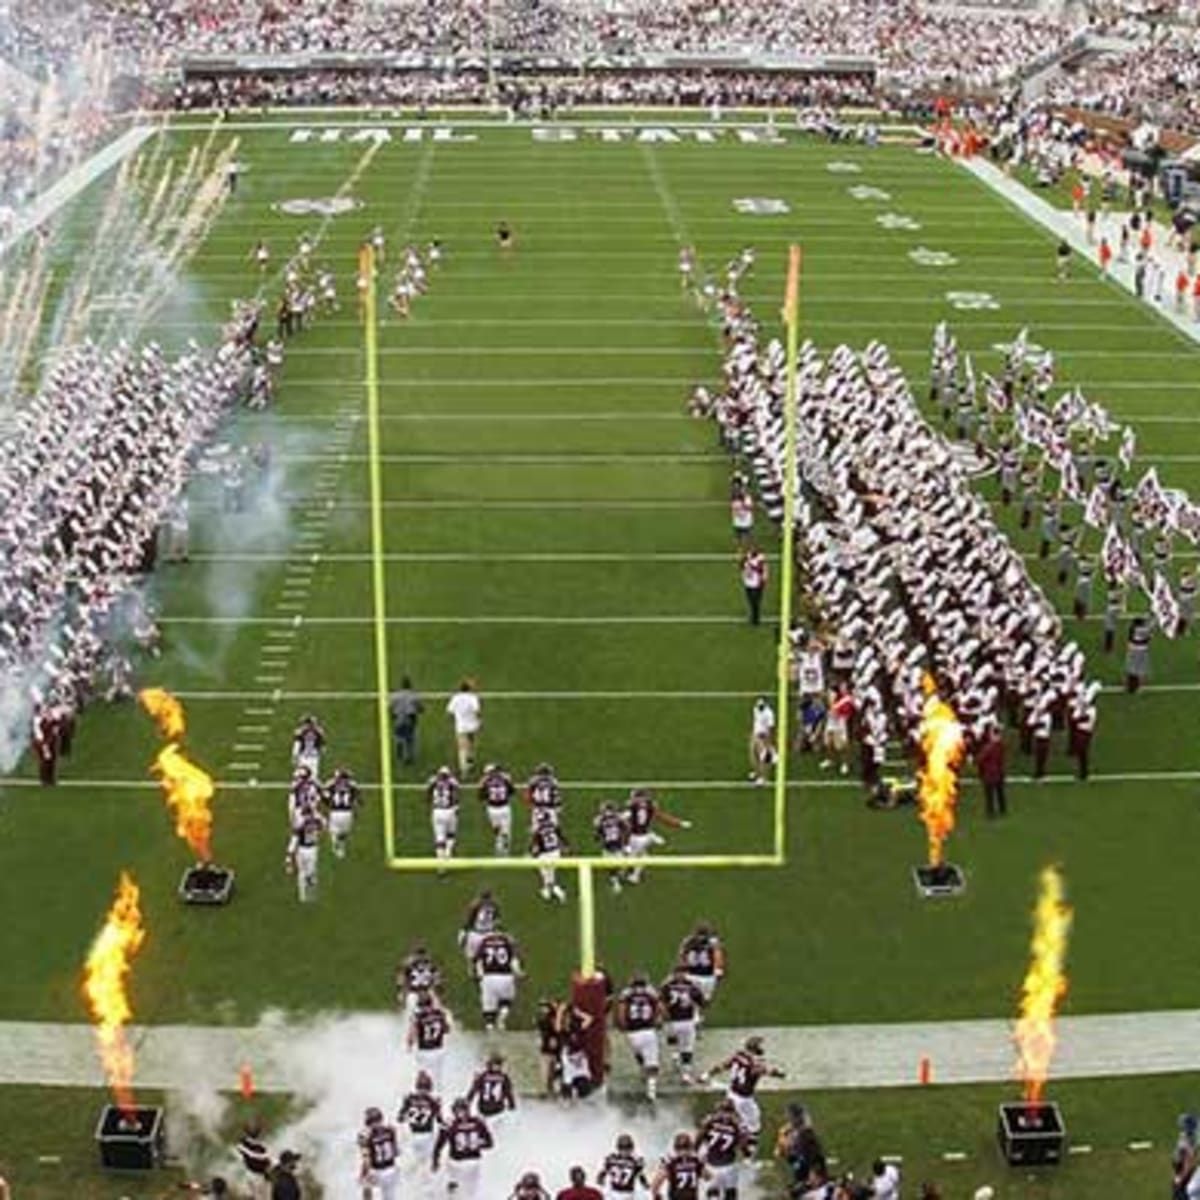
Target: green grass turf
[575,347]
[918,1125]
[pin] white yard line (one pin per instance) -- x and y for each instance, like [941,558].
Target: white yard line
[583,696]
[497,619]
[525,383]
[581,459]
[436,557]
[629,352]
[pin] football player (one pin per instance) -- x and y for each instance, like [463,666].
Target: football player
[304,793]
[682,1003]
[543,795]
[623,1171]
[642,814]
[546,844]
[302,851]
[418,975]
[492,1090]
[483,916]
[307,743]
[378,1148]
[722,1144]
[746,1068]
[342,798]
[703,959]
[442,791]
[496,790]
[421,1114]
[639,1014]
[497,967]
[612,832]
[427,1031]
[681,1173]
[463,1140]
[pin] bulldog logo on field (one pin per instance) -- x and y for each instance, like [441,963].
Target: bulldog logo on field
[321,206]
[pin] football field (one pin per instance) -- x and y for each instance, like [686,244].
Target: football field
[554,526]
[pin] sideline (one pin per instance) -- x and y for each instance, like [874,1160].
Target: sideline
[1062,223]
[73,182]
[814,1056]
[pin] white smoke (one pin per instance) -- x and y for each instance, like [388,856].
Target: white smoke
[334,1067]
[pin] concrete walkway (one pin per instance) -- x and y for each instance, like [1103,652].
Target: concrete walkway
[1063,223]
[834,1056]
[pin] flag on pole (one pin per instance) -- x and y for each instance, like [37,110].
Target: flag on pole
[1164,605]
[1095,512]
[1117,557]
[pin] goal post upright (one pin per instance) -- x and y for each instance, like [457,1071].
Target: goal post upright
[370,318]
[584,866]
[791,322]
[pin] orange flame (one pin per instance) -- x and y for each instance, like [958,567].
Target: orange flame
[188,790]
[1045,985]
[166,710]
[104,977]
[246,1081]
[943,745]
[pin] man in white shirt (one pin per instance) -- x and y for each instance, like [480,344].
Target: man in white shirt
[464,708]
[762,740]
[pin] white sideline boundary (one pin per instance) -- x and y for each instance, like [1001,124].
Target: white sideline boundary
[814,1056]
[73,182]
[1064,224]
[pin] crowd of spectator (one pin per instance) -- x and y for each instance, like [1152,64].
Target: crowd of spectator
[65,69]
[1157,81]
[527,95]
